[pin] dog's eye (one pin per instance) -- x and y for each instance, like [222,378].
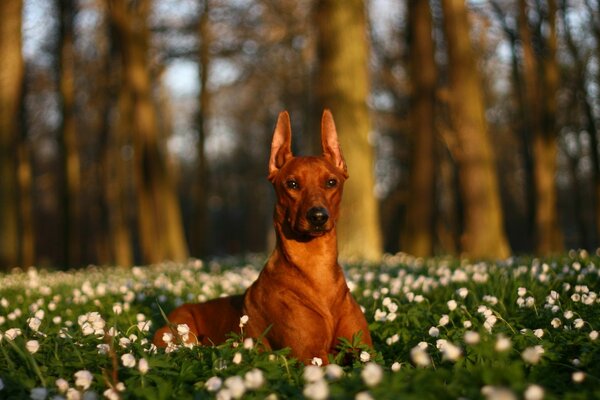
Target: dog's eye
[331,183]
[292,184]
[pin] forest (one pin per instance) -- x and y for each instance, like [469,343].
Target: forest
[138,131]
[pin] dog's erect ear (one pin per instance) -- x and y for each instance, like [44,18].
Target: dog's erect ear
[281,147]
[330,143]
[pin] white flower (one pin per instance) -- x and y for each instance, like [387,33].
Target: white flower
[538,333]
[235,385]
[578,376]
[380,315]
[12,333]
[521,292]
[183,330]
[556,323]
[316,361]
[372,374]
[490,322]
[434,332]
[117,308]
[472,337]
[34,323]
[237,358]
[364,356]
[467,324]
[502,344]
[534,392]
[32,346]
[420,357]
[62,385]
[462,292]
[593,335]
[254,379]
[334,371]
[451,352]
[248,343]
[243,320]
[396,366]
[167,337]
[497,393]
[83,379]
[444,320]
[38,393]
[128,360]
[143,366]
[213,384]
[568,314]
[452,305]
[363,396]
[578,323]
[312,373]
[392,339]
[532,355]
[318,390]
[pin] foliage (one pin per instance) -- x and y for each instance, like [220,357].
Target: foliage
[442,328]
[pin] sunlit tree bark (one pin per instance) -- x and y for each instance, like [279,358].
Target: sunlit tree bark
[11,83]
[418,232]
[159,218]
[483,230]
[342,84]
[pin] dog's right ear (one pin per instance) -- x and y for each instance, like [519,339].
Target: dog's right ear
[281,147]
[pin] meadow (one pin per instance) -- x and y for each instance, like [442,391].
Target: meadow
[522,328]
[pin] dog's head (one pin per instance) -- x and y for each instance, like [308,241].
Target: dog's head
[309,189]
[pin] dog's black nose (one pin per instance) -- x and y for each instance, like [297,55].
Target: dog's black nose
[317,216]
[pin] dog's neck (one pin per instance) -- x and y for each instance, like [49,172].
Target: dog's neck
[314,257]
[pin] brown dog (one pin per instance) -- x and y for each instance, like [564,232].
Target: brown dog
[300,298]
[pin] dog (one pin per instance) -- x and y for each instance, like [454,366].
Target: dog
[300,299]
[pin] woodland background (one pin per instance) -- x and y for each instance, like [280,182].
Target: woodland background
[136,131]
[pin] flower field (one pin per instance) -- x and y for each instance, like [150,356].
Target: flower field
[442,328]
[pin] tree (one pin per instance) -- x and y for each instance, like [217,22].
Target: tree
[158,213]
[71,166]
[342,84]
[541,79]
[11,84]
[483,232]
[418,231]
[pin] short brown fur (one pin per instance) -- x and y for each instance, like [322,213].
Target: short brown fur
[300,299]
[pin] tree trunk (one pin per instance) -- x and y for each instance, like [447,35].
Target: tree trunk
[418,231]
[11,85]
[200,190]
[71,174]
[483,232]
[158,214]
[342,85]
[541,85]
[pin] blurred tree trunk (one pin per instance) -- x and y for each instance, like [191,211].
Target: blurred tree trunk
[483,232]
[71,166]
[116,163]
[418,231]
[541,86]
[594,15]
[158,214]
[11,86]
[342,85]
[200,190]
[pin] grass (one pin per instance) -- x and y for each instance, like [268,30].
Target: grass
[442,328]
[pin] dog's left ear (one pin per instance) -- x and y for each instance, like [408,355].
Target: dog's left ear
[330,143]
[281,146]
